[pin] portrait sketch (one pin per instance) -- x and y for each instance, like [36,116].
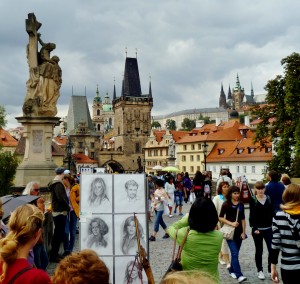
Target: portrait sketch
[131,193]
[125,234]
[96,193]
[130,271]
[96,234]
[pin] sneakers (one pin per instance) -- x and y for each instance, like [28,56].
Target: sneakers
[242,279]
[170,216]
[175,211]
[261,275]
[166,236]
[180,214]
[152,239]
[222,261]
[232,274]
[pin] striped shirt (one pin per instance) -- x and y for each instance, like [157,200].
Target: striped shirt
[285,241]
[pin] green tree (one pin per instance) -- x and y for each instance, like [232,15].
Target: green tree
[206,119]
[188,124]
[2,116]
[8,167]
[171,124]
[280,118]
[155,124]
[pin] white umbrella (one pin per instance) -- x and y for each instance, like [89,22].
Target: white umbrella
[157,167]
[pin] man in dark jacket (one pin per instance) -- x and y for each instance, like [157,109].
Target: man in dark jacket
[60,209]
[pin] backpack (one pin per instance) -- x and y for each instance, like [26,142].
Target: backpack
[187,183]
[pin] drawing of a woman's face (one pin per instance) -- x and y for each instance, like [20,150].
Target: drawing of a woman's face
[95,229]
[131,228]
[98,190]
[135,271]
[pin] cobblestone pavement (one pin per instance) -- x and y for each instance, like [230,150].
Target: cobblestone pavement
[161,251]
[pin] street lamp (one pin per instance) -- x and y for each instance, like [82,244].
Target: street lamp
[69,147]
[204,153]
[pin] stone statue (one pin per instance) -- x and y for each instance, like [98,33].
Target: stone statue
[171,151]
[45,75]
[139,161]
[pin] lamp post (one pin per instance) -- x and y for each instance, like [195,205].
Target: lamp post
[204,153]
[69,147]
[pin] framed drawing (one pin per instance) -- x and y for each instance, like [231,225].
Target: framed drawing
[97,234]
[128,271]
[96,193]
[130,193]
[125,234]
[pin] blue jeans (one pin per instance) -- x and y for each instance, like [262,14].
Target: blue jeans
[70,232]
[40,256]
[178,198]
[159,221]
[234,246]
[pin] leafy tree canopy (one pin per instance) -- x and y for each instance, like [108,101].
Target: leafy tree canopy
[2,116]
[280,121]
[188,124]
[155,124]
[206,119]
[170,124]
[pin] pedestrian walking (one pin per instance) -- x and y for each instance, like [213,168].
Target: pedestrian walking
[170,189]
[178,194]
[187,186]
[159,200]
[260,220]
[231,208]
[198,184]
[286,237]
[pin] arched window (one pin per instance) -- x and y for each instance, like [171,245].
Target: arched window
[98,111]
[98,127]
[137,147]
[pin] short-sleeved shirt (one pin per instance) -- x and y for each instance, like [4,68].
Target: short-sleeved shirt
[228,211]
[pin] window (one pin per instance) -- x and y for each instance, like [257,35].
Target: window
[155,152]
[253,169]
[198,168]
[161,152]
[98,112]
[214,169]
[198,158]
[191,169]
[237,169]
[183,158]
[245,169]
[199,146]
[92,145]
[119,131]
[184,147]
[92,155]
[80,145]
[149,153]
[184,169]
[98,127]
[137,147]
[192,147]
[192,158]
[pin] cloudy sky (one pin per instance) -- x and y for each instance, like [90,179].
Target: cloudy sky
[188,47]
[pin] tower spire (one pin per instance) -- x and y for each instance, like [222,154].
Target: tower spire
[114,94]
[229,95]
[150,89]
[252,91]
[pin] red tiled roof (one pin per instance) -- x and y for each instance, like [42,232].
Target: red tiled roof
[83,159]
[61,140]
[228,152]
[6,140]
[177,135]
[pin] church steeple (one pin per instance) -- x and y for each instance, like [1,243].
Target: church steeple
[150,89]
[114,94]
[252,91]
[97,98]
[238,84]
[132,84]
[229,95]
[222,100]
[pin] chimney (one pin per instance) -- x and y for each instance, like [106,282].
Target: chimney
[247,120]
[218,121]
[199,123]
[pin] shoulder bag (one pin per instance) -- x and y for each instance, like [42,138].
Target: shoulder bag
[227,230]
[175,263]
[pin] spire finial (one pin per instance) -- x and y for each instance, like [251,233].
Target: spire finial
[135,52]
[97,91]
[126,51]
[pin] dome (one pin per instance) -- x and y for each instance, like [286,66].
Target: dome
[107,107]
[234,114]
[97,99]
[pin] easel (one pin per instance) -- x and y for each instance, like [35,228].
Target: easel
[135,264]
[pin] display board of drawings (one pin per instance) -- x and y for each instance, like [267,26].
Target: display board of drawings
[107,206]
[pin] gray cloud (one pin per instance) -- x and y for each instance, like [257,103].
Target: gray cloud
[188,47]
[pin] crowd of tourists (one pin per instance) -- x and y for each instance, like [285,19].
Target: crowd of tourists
[274,213]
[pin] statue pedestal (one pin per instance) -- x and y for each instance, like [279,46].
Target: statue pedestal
[37,163]
[171,161]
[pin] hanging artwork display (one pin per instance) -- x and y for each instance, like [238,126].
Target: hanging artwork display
[108,203]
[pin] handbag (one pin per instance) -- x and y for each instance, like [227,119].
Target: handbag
[227,230]
[175,263]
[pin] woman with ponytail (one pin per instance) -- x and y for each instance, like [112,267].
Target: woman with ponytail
[25,228]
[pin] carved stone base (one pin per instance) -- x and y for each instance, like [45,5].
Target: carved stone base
[171,161]
[37,163]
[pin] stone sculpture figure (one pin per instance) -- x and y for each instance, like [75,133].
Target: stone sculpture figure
[171,151]
[45,75]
